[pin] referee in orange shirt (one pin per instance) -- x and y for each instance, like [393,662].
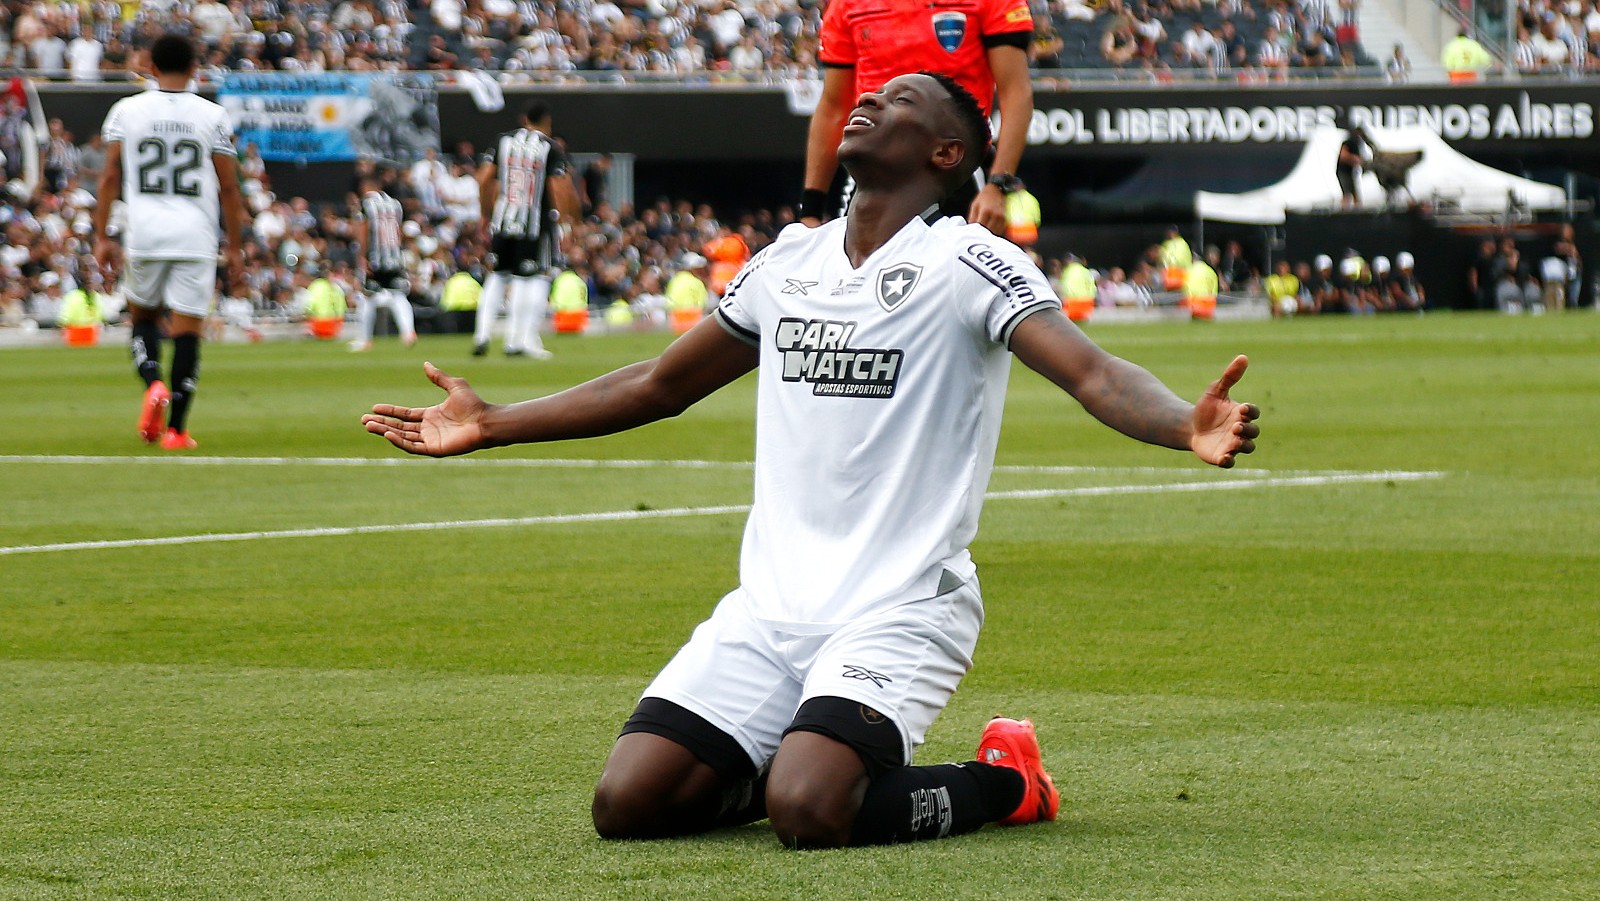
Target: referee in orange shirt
[980,43]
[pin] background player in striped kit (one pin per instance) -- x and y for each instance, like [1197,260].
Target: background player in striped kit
[526,194]
[170,157]
[382,265]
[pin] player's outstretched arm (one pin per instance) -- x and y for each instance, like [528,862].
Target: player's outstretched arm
[1129,399]
[692,367]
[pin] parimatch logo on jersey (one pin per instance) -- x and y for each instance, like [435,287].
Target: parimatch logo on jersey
[818,351]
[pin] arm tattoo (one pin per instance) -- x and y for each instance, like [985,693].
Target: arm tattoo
[1129,399]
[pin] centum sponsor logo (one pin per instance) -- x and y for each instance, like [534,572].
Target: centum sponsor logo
[1019,288]
[818,352]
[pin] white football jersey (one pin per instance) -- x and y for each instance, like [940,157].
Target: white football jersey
[168,179]
[878,410]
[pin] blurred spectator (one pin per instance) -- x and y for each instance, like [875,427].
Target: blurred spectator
[1319,287]
[1464,58]
[1354,284]
[1553,274]
[459,192]
[1116,291]
[1283,291]
[727,252]
[1235,270]
[1149,33]
[1352,159]
[1551,44]
[1516,288]
[1566,247]
[1118,45]
[1397,68]
[1382,299]
[1272,56]
[1232,51]
[1199,48]
[61,157]
[1482,274]
[1022,216]
[594,185]
[1044,51]
[425,178]
[1524,54]
[83,56]
[1405,292]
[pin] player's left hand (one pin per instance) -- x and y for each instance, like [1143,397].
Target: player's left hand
[1222,428]
[989,210]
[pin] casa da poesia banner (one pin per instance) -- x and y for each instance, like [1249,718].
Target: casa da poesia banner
[333,117]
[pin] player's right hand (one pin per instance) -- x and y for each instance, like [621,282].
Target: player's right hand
[108,255]
[451,427]
[233,258]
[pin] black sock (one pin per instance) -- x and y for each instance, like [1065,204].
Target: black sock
[145,345]
[744,803]
[913,803]
[185,371]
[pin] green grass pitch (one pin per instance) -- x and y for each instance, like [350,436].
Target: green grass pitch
[1329,684]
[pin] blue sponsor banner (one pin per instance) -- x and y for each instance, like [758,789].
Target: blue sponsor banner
[332,117]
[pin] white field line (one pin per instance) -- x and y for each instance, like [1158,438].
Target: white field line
[189,460]
[622,515]
[533,463]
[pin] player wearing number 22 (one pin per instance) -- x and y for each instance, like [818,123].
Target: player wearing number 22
[170,158]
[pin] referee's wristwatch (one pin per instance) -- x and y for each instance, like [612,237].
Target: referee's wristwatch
[1006,182]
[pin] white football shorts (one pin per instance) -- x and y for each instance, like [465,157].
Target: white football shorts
[182,286]
[748,676]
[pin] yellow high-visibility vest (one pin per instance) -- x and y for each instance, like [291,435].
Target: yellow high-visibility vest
[1175,253]
[1202,280]
[1022,217]
[619,314]
[461,292]
[569,292]
[1077,282]
[80,307]
[686,291]
[324,300]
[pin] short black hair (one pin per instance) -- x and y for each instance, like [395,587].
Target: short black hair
[536,112]
[969,115]
[173,54]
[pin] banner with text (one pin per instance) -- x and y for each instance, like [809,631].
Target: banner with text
[333,117]
[1087,120]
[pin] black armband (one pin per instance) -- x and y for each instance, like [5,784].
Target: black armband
[813,204]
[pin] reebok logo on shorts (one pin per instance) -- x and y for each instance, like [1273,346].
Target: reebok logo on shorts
[851,671]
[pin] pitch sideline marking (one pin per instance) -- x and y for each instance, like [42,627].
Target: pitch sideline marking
[578,463]
[668,512]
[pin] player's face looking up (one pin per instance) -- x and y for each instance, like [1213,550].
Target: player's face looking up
[904,127]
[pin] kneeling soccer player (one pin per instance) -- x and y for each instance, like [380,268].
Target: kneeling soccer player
[882,344]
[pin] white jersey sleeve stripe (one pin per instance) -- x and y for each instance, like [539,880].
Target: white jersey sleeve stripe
[735,329]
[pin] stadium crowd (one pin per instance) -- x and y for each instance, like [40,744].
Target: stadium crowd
[630,256]
[621,254]
[744,39]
